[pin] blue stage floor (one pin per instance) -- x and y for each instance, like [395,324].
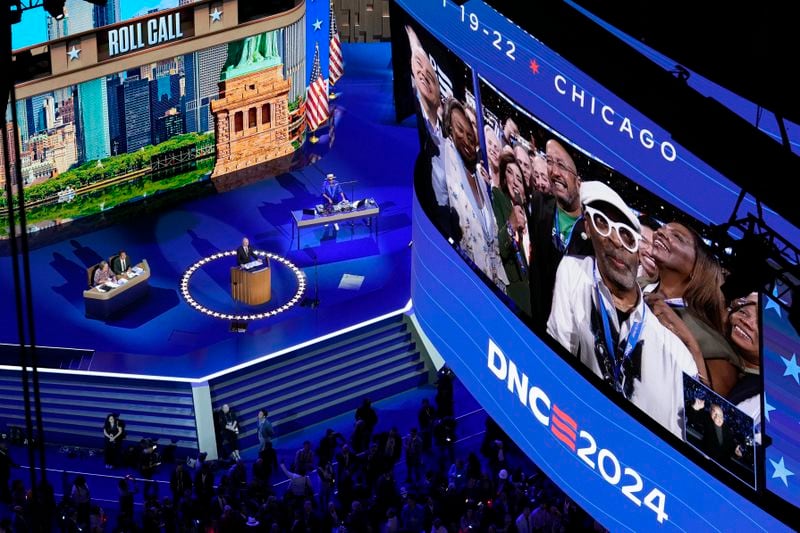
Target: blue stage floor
[163,335]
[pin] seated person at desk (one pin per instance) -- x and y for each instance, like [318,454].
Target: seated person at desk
[245,254]
[121,264]
[102,274]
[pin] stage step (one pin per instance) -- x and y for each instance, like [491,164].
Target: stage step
[325,380]
[300,388]
[74,407]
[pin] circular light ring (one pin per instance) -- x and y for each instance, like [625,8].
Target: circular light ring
[298,295]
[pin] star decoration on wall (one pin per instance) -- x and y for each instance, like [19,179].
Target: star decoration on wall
[317,25]
[772,303]
[792,369]
[767,408]
[215,15]
[781,471]
[74,53]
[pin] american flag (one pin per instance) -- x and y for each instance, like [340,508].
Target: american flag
[335,64]
[316,96]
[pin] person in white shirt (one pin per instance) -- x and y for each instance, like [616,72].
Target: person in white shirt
[469,198]
[428,92]
[599,314]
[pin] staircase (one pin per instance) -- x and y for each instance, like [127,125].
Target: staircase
[74,408]
[324,380]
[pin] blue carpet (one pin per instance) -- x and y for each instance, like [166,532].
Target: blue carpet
[163,335]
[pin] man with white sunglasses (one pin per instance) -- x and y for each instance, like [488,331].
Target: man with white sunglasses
[600,316]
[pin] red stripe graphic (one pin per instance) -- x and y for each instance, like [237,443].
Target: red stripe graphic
[563,438]
[565,417]
[557,422]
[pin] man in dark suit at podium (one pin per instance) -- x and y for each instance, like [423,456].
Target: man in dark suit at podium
[245,254]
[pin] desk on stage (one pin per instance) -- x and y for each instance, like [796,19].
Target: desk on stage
[102,303]
[251,286]
[301,220]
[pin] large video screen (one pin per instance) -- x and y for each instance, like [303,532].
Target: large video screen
[642,297]
[87,148]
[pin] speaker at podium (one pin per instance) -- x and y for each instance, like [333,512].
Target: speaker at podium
[251,282]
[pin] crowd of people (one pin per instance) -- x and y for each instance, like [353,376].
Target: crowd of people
[639,301]
[377,479]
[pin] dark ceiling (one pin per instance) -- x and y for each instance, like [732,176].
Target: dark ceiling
[725,44]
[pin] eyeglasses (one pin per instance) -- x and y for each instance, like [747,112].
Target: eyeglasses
[743,307]
[559,164]
[628,237]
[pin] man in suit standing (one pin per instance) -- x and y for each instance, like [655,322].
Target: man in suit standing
[121,264]
[719,442]
[245,254]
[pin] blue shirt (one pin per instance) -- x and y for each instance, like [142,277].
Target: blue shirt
[332,190]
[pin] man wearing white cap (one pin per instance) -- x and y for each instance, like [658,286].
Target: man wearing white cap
[600,316]
[332,193]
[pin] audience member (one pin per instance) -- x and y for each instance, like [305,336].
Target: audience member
[556,228]
[180,481]
[326,451]
[413,449]
[689,301]
[425,417]
[599,314]
[369,417]
[304,458]
[745,336]
[229,428]
[6,463]
[265,431]
[81,499]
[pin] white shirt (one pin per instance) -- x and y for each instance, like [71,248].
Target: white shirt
[478,226]
[659,392]
[438,179]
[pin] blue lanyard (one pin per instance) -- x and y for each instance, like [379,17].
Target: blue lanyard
[562,245]
[630,342]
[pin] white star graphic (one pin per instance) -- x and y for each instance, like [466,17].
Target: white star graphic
[215,15]
[772,303]
[317,25]
[767,408]
[791,368]
[73,53]
[781,471]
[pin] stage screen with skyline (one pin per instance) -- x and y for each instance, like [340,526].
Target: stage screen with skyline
[137,133]
[594,239]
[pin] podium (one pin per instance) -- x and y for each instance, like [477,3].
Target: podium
[251,286]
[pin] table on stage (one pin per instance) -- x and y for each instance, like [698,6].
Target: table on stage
[251,283]
[302,219]
[106,299]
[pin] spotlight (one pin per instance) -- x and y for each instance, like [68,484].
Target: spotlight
[55,8]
